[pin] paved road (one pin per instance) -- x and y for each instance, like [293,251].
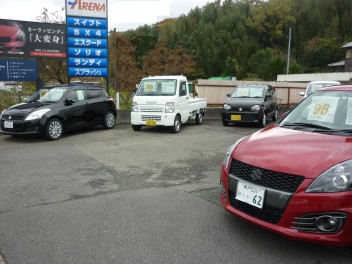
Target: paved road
[118,196]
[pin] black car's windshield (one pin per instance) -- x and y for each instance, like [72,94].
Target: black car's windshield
[248,92]
[54,95]
[157,88]
[323,111]
[37,95]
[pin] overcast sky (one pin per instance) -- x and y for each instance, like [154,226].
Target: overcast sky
[122,14]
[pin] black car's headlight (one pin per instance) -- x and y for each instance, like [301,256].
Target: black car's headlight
[335,179]
[227,107]
[255,108]
[20,38]
[37,114]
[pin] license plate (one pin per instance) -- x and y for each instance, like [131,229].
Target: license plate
[250,194]
[8,124]
[236,117]
[150,122]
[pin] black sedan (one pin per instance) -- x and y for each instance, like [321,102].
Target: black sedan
[61,108]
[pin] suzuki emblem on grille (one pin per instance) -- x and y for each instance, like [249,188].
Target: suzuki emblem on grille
[10,117]
[240,109]
[256,175]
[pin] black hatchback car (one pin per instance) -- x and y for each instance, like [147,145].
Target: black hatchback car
[250,104]
[61,108]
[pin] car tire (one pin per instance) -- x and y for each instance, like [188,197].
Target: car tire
[225,123]
[136,127]
[276,115]
[177,125]
[263,120]
[199,118]
[109,120]
[54,129]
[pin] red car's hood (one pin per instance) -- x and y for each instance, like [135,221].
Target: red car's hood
[8,31]
[294,152]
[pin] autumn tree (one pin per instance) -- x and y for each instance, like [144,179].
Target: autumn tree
[163,61]
[127,74]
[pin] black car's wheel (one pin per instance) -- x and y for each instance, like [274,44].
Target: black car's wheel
[276,115]
[54,129]
[199,118]
[109,120]
[263,120]
[177,125]
[136,127]
[225,123]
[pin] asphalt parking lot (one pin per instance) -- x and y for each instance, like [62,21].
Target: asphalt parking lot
[119,196]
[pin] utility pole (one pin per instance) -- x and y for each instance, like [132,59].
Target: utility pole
[289,51]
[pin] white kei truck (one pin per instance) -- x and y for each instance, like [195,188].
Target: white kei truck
[165,101]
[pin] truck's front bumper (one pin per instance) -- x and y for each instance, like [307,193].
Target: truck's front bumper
[161,119]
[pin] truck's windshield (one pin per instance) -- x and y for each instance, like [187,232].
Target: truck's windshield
[157,88]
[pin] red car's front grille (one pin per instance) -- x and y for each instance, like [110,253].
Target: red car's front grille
[5,39]
[266,178]
[272,211]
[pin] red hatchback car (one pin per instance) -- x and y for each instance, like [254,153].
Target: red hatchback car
[12,37]
[295,177]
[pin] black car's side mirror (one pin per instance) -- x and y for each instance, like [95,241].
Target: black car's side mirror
[69,101]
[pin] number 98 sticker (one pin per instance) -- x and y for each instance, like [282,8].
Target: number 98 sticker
[323,109]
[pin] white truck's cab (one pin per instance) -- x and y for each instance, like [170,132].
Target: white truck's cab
[165,101]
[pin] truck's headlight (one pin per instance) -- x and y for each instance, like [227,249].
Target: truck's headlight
[227,158]
[170,107]
[37,114]
[134,107]
[227,107]
[335,179]
[255,108]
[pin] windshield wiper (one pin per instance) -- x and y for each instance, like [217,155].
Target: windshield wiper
[348,131]
[301,124]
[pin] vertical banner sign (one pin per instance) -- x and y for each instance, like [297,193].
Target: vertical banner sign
[87,38]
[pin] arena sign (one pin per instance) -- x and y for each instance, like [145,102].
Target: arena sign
[82,8]
[87,38]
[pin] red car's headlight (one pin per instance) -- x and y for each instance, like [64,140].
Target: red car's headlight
[228,154]
[335,179]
